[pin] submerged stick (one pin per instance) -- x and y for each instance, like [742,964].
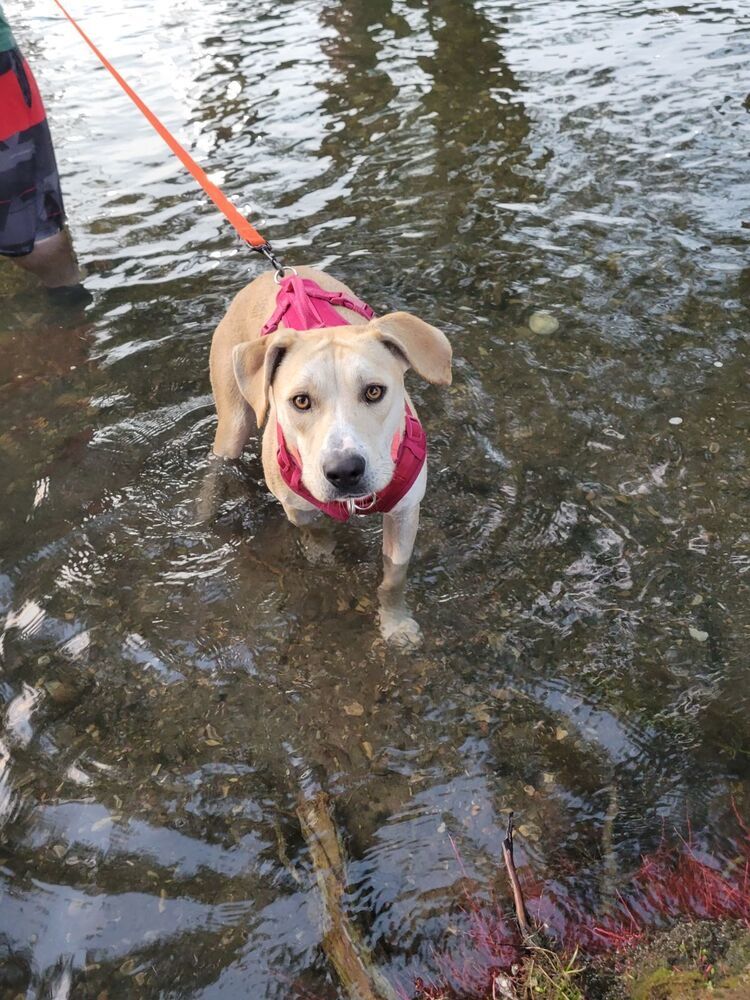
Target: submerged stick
[541,963]
[510,865]
[609,875]
[341,941]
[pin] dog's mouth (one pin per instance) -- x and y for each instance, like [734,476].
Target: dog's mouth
[353,493]
[357,497]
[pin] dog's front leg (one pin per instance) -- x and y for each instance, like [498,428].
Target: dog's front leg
[317,537]
[298,516]
[399,531]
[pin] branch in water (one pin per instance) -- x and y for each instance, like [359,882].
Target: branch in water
[341,941]
[521,914]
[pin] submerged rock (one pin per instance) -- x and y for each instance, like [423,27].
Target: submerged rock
[543,322]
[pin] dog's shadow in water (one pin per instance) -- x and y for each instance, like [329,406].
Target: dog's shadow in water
[233,499]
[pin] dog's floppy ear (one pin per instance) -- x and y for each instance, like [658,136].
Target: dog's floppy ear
[255,363]
[425,348]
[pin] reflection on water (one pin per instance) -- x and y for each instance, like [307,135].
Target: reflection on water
[168,687]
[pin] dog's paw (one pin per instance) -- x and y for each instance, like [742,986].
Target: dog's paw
[317,547]
[400,631]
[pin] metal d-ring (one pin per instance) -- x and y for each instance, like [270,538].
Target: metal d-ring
[354,504]
[279,276]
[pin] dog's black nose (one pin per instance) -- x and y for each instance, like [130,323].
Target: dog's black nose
[346,471]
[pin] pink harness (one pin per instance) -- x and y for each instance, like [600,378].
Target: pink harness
[303,305]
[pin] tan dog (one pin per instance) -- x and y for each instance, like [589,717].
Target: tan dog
[338,394]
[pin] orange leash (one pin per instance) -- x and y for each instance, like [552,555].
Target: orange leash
[246,232]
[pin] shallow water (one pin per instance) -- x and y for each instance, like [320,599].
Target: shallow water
[170,688]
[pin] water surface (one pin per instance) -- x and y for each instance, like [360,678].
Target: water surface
[171,687]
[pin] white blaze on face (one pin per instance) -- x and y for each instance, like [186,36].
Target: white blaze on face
[341,436]
[332,370]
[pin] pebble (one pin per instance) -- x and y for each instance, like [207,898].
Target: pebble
[543,323]
[675,421]
[61,693]
[530,831]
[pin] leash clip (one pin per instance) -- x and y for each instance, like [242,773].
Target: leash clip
[267,251]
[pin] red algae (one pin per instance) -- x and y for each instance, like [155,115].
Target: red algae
[680,882]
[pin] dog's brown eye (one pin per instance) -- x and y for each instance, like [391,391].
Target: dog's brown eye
[374,392]
[301,402]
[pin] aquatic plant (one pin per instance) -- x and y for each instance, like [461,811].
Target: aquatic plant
[681,881]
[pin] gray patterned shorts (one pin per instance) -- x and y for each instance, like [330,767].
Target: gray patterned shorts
[31,205]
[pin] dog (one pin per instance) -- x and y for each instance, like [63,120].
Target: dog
[340,433]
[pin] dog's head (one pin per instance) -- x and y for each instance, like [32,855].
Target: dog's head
[338,395]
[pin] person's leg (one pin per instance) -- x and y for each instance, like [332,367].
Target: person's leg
[52,261]
[32,219]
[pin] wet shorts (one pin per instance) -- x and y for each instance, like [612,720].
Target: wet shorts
[31,205]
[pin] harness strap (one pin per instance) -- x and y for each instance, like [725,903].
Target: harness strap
[303,305]
[411,457]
